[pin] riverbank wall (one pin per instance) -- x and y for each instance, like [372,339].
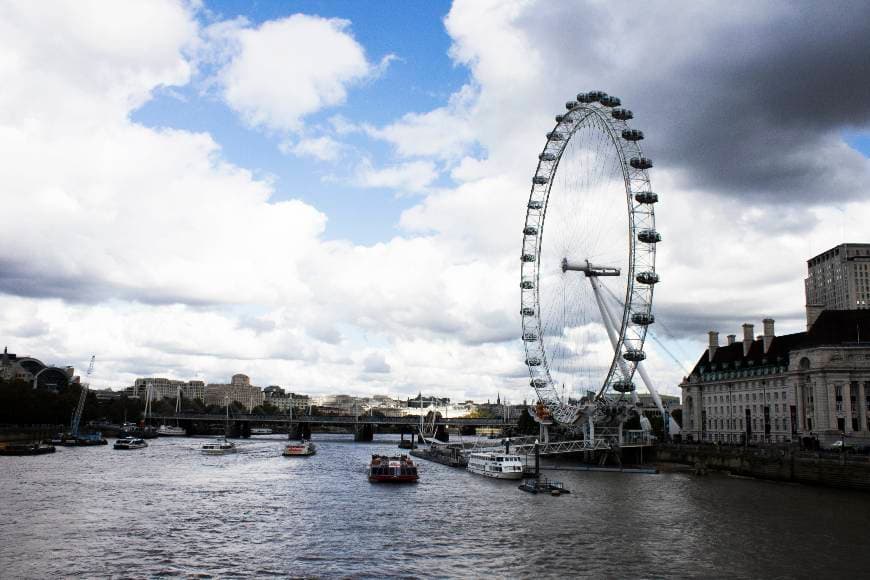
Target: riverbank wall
[27,433]
[846,471]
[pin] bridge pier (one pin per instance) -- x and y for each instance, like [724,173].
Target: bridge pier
[543,433]
[364,433]
[299,431]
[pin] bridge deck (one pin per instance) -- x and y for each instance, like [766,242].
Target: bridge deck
[411,421]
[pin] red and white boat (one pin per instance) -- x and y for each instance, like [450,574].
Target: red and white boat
[299,449]
[395,469]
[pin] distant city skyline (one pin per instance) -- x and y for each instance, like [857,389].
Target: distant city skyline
[330,196]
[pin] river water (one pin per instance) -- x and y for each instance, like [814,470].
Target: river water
[169,511]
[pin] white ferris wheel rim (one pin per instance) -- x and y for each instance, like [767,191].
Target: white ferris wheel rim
[604,111]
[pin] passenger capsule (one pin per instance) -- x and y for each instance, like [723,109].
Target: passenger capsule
[595,96]
[634,355]
[533,362]
[527,311]
[559,118]
[530,337]
[649,236]
[622,114]
[640,162]
[538,383]
[647,278]
[623,386]
[555,136]
[632,135]
[539,180]
[646,197]
[530,231]
[534,204]
[528,258]
[527,285]
[642,318]
[584,98]
[570,105]
[547,157]
[610,101]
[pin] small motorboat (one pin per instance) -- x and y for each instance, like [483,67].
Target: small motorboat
[395,469]
[130,443]
[299,448]
[219,447]
[543,485]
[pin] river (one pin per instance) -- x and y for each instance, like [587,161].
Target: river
[169,511]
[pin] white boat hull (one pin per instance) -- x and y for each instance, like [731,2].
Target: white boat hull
[171,431]
[495,474]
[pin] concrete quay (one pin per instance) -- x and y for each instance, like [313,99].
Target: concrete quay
[846,470]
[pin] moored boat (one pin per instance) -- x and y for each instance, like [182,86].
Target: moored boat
[299,449]
[395,469]
[25,448]
[171,431]
[261,431]
[130,443]
[496,465]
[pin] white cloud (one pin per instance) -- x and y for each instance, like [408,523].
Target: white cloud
[149,249]
[410,177]
[289,68]
[444,133]
[322,148]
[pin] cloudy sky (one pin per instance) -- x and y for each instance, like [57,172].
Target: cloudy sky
[329,196]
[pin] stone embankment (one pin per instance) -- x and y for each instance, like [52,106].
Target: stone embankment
[776,463]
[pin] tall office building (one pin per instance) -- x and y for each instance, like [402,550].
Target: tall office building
[838,279]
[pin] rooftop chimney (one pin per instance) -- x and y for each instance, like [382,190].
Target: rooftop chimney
[768,333]
[747,338]
[813,312]
[732,338]
[714,344]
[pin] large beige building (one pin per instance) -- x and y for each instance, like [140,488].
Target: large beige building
[167,388]
[239,390]
[839,279]
[778,388]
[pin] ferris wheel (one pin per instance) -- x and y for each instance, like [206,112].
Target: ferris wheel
[588,260]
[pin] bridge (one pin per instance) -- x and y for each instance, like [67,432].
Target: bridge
[407,420]
[526,445]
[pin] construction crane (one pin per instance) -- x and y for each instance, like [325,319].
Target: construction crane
[77,415]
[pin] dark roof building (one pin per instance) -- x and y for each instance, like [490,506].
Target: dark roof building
[776,388]
[29,369]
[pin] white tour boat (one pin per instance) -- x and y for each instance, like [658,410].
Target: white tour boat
[219,447]
[299,448]
[261,431]
[497,465]
[130,443]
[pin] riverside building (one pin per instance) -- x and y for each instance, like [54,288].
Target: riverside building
[838,279]
[167,388]
[778,388]
[239,390]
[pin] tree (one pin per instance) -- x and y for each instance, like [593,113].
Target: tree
[526,425]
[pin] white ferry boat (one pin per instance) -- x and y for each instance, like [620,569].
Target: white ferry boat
[219,447]
[130,443]
[261,431]
[497,465]
[299,448]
